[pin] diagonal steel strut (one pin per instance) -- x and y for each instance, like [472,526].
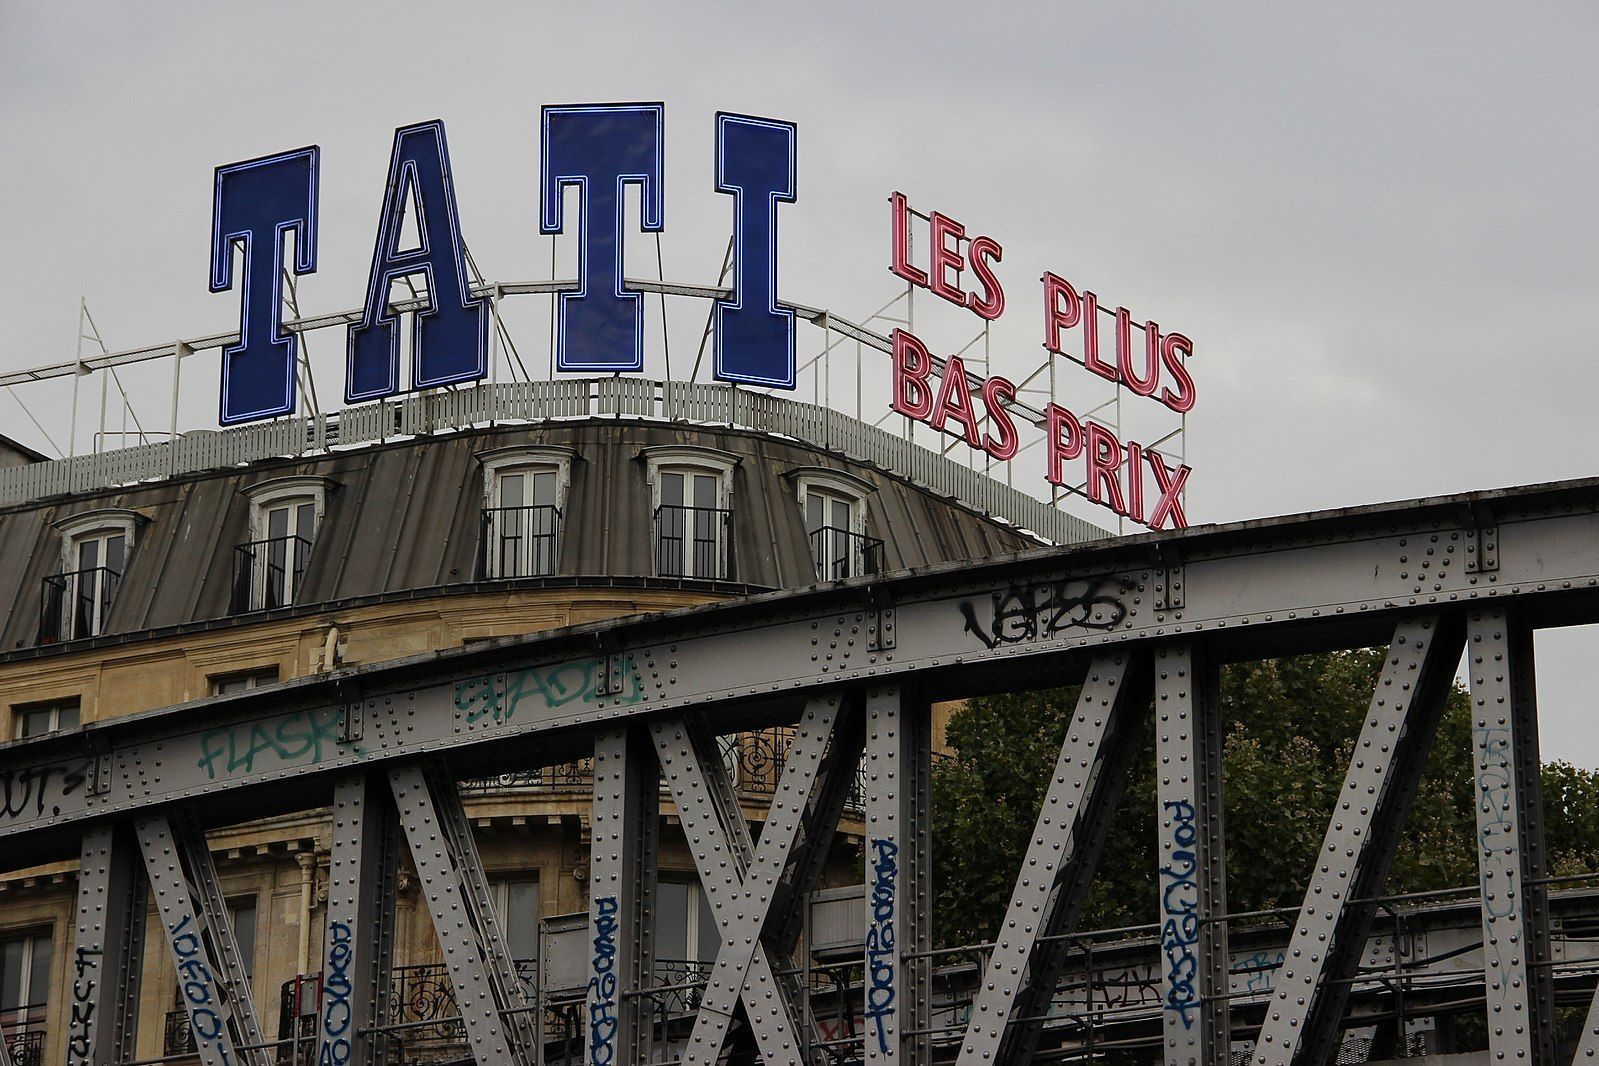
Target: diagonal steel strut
[199,934]
[741,880]
[1303,1016]
[1021,974]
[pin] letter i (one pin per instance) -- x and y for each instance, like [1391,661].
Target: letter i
[1135,480]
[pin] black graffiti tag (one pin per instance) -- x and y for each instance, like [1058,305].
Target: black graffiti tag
[26,791]
[1026,613]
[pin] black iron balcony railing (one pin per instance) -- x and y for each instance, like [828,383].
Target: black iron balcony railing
[76,603]
[177,1034]
[520,541]
[839,553]
[24,1048]
[566,777]
[267,573]
[693,541]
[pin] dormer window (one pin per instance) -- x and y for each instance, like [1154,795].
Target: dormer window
[269,568]
[833,505]
[524,491]
[77,601]
[691,494]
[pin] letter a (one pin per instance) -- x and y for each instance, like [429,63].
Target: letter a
[754,337]
[601,149]
[256,204]
[450,336]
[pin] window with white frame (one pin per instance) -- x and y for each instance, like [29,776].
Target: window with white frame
[833,505]
[37,719]
[94,554]
[269,568]
[691,497]
[524,490]
[24,989]
[243,680]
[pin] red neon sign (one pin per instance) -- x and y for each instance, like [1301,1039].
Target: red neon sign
[1121,475]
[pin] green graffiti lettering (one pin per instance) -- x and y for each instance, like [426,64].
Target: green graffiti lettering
[554,687]
[302,738]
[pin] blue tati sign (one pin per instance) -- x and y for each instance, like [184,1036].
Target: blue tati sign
[598,149]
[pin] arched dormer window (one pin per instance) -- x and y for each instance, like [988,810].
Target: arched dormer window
[95,548]
[691,499]
[285,515]
[524,497]
[833,506]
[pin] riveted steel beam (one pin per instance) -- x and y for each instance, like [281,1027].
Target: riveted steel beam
[358,941]
[440,857]
[1067,838]
[1510,849]
[1306,1008]
[739,878]
[211,980]
[622,890]
[108,952]
[898,978]
[1334,580]
[1193,852]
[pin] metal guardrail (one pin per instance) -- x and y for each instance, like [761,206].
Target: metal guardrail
[520,541]
[542,401]
[840,553]
[267,573]
[694,542]
[75,603]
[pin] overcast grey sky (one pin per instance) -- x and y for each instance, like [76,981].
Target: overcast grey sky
[1375,221]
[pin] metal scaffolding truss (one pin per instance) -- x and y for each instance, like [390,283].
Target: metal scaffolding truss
[1143,623]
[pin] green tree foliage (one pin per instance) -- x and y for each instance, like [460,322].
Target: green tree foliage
[1290,728]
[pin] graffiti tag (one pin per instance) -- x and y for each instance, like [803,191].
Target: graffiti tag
[880,967]
[1495,782]
[84,964]
[337,1013]
[553,686]
[198,989]
[1179,900]
[602,986]
[1026,613]
[28,791]
[304,738]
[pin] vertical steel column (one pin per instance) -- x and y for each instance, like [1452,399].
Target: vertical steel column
[1305,1012]
[1510,849]
[211,977]
[1054,878]
[435,851]
[1193,859]
[898,975]
[734,875]
[622,867]
[108,956]
[358,941]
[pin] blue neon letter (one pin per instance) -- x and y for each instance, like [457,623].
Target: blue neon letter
[755,163]
[256,204]
[450,337]
[601,148]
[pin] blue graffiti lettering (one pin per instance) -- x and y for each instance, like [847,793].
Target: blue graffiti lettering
[337,1012]
[602,985]
[880,968]
[1180,904]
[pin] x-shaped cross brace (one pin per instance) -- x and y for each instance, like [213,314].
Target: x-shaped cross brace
[742,879]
